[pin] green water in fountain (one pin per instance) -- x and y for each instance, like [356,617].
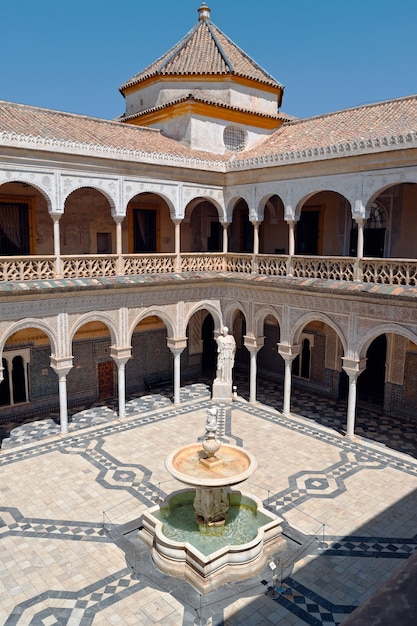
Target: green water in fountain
[242,523]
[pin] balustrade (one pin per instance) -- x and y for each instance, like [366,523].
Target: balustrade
[378,271]
[88,266]
[326,268]
[148,264]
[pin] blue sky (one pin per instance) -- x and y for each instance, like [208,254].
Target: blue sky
[73,55]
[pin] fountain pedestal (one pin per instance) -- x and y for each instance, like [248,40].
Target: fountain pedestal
[211,505]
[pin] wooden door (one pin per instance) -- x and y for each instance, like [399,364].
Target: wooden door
[105,379]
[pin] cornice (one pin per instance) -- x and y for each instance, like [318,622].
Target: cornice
[234,163]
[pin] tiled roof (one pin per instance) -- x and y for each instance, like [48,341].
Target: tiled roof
[368,128]
[365,125]
[205,51]
[68,128]
[194,97]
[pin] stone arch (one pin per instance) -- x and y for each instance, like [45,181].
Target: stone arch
[213,309]
[333,186]
[201,226]
[234,201]
[132,192]
[191,204]
[264,201]
[323,218]
[230,311]
[31,323]
[153,312]
[261,315]
[316,316]
[383,329]
[26,179]
[93,317]
[90,185]
[87,226]
[374,187]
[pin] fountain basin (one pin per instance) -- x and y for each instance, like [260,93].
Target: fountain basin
[219,561]
[232,465]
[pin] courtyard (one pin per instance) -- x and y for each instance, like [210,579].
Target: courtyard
[70,505]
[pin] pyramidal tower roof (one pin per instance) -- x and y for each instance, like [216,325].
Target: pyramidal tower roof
[204,51]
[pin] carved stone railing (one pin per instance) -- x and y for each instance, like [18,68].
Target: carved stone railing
[241,263]
[272,265]
[327,268]
[202,262]
[377,271]
[134,264]
[389,271]
[88,266]
[24,268]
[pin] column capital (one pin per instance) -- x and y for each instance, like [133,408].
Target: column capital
[61,364]
[177,345]
[288,352]
[120,355]
[353,367]
[253,344]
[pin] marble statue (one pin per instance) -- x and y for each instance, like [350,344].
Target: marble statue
[226,349]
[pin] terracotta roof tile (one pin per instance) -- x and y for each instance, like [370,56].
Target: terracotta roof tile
[204,51]
[196,97]
[29,121]
[369,127]
[392,118]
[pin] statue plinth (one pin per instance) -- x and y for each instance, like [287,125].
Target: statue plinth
[222,390]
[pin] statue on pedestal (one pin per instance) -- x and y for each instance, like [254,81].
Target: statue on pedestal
[226,349]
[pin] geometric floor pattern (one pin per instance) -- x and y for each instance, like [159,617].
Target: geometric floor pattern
[349,510]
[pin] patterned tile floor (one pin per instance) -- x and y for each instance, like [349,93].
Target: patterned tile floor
[348,505]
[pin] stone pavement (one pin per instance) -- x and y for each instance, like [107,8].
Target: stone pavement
[67,557]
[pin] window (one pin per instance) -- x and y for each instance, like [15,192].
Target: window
[234,138]
[14,386]
[103,243]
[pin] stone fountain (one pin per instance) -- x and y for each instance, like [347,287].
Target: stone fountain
[210,534]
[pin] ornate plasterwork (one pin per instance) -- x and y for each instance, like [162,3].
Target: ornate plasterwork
[350,148]
[109,186]
[44,181]
[213,194]
[169,191]
[20,140]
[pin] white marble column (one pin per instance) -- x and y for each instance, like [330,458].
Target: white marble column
[225,226]
[353,368]
[62,365]
[121,356]
[291,244]
[253,344]
[288,353]
[177,224]
[177,347]
[119,244]
[361,221]
[57,244]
